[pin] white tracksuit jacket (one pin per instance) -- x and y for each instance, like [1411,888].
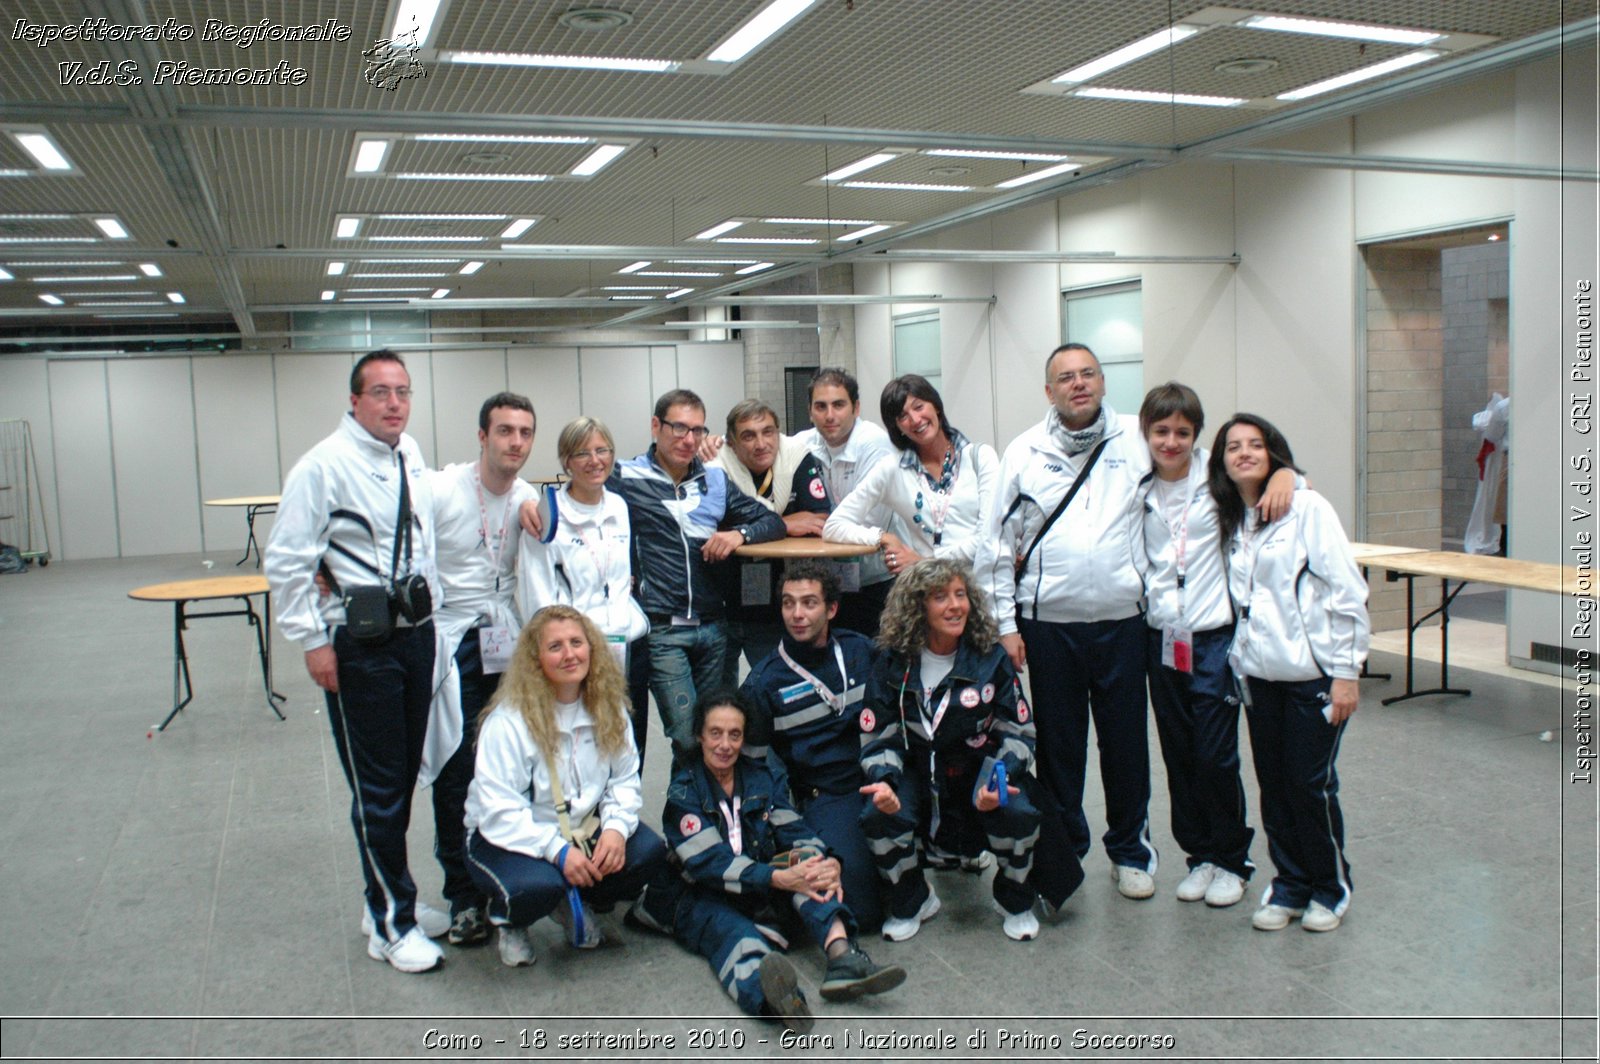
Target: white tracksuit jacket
[1301,599]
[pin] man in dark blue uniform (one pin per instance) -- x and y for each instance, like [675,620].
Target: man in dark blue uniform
[805,698]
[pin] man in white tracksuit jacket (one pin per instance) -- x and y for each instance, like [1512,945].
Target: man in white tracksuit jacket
[339,513]
[1072,613]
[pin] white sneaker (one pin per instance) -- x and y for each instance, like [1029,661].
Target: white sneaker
[1226,889]
[433,922]
[1195,884]
[1020,927]
[589,936]
[516,950]
[1133,882]
[1273,917]
[1320,918]
[898,929]
[413,952]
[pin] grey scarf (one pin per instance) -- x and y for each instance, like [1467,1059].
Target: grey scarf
[1076,441]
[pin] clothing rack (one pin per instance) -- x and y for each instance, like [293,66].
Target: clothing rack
[22,519]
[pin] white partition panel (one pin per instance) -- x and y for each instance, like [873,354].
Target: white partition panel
[664,372]
[715,372]
[548,376]
[81,437]
[421,427]
[462,380]
[153,455]
[617,390]
[25,394]
[313,392]
[235,419]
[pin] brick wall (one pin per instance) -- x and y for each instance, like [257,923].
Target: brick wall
[1474,283]
[768,352]
[1405,383]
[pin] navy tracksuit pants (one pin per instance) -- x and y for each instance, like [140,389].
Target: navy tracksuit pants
[1197,719]
[379,719]
[1094,668]
[521,889]
[735,943]
[836,818]
[1294,748]
[450,788]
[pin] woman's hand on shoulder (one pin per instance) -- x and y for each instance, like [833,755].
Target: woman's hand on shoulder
[1277,496]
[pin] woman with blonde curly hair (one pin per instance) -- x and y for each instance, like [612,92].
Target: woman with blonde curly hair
[947,749]
[553,812]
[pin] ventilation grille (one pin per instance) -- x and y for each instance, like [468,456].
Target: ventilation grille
[1567,656]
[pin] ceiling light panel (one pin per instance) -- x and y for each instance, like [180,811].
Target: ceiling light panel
[598,160]
[41,147]
[772,19]
[1105,92]
[1159,41]
[1359,75]
[562,62]
[414,21]
[1346,30]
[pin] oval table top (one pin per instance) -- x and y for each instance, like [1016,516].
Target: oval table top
[246,500]
[205,587]
[803,547]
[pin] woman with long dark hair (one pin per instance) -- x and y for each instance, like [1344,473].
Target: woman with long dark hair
[940,489]
[1301,639]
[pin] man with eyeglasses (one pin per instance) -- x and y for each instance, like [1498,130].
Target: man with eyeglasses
[686,516]
[359,508]
[1062,571]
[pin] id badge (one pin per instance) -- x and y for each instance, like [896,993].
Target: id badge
[1177,648]
[495,644]
[618,645]
[755,584]
[849,577]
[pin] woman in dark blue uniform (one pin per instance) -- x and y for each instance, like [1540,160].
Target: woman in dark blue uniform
[749,865]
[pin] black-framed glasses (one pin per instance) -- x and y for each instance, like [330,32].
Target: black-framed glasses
[382,393]
[680,429]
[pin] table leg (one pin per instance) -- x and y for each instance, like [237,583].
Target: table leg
[180,665]
[250,542]
[1366,671]
[1412,625]
[263,641]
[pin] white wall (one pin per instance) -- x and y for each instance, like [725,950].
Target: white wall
[130,448]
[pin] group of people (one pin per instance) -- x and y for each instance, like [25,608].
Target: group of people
[501,643]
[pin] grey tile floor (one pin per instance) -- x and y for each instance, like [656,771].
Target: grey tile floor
[195,893]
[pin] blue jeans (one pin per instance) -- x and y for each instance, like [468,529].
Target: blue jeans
[684,661]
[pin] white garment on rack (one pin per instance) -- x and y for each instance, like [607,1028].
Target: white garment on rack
[1493,423]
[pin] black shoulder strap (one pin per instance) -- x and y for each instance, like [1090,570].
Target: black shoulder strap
[1066,500]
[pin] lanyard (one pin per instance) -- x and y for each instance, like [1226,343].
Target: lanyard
[735,827]
[1179,532]
[944,491]
[1252,545]
[922,703]
[835,701]
[497,546]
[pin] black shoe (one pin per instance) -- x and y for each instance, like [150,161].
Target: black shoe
[852,974]
[468,928]
[781,987]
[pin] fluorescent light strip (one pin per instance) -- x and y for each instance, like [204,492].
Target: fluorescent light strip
[415,16]
[1347,30]
[327,294]
[637,288]
[1019,156]
[675,273]
[635,268]
[1038,175]
[767,240]
[67,264]
[717,230]
[632,299]
[470,177]
[417,288]
[54,301]
[335,269]
[149,269]
[176,297]
[679,292]
[6,275]
[439,293]
[907,186]
[820,221]
[49,240]
[1162,38]
[44,150]
[381,276]
[1146,96]
[564,62]
[471,268]
[36,217]
[753,34]
[86,279]
[710,262]
[10,172]
[111,227]
[369,156]
[756,267]
[517,228]
[408,262]
[427,239]
[1377,70]
[347,228]
[851,169]
[859,233]
[376,299]
[597,160]
[104,295]
[443,217]
[501,138]
[119,303]
[140,314]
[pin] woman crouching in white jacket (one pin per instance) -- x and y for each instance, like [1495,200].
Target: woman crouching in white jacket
[1301,639]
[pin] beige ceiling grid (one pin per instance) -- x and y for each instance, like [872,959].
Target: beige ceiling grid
[944,73]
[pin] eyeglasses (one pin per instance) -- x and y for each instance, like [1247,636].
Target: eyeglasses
[602,453]
[680,430]
[1087,374]
[382,393]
